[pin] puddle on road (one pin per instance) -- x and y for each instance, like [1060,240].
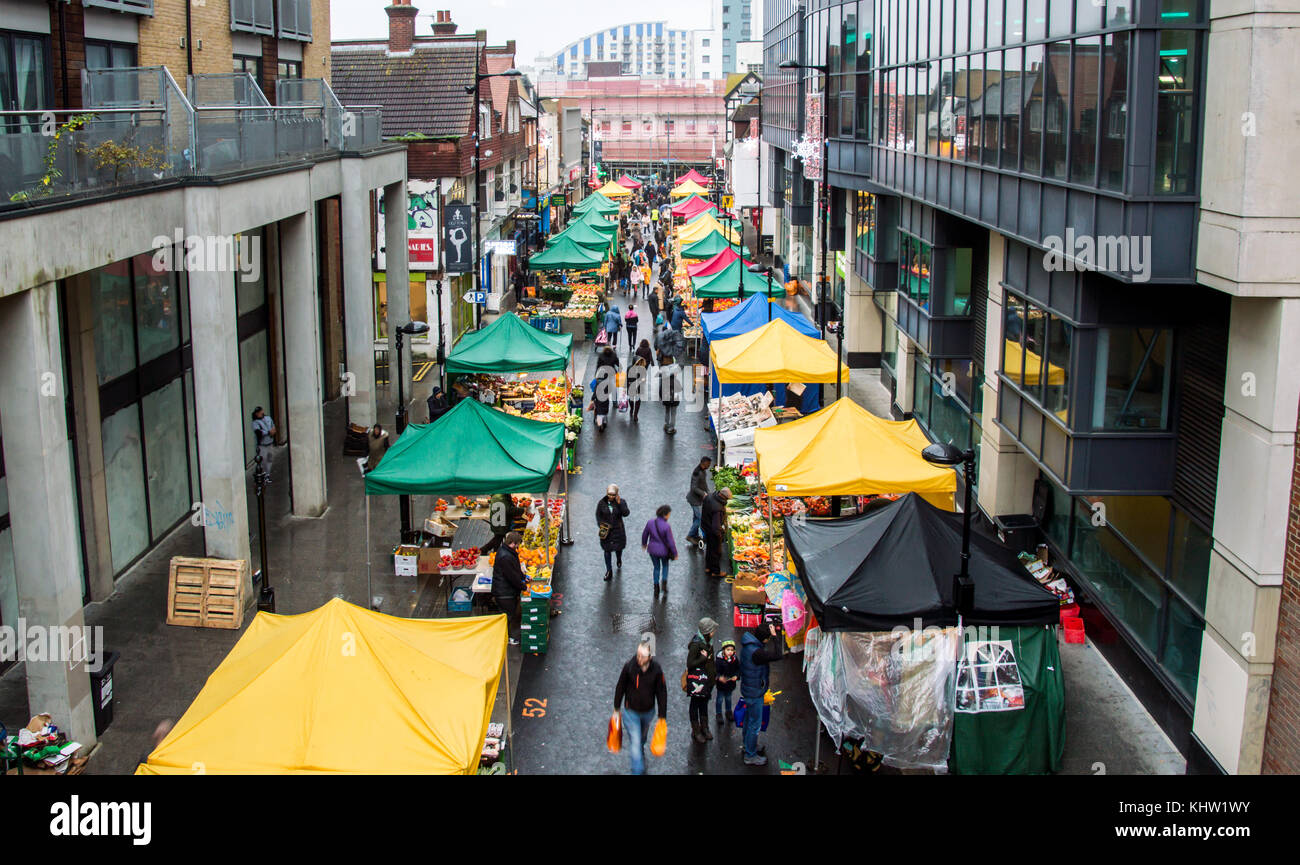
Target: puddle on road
[635,624]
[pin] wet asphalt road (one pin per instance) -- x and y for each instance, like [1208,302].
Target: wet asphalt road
[565,697]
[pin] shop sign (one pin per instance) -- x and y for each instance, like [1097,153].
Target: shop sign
[422,230]
[459,229]
[501,247]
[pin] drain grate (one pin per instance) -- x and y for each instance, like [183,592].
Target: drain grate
[638,624]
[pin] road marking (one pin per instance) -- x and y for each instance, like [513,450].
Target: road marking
[422,371]
[534,708]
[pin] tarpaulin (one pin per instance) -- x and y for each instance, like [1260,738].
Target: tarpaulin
[566,254]
[510,345]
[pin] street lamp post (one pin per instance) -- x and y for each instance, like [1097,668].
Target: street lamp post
[265,597]
[474,89]
[948,456]
[412,328]
[758,268]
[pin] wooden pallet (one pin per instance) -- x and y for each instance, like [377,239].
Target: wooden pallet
[206,593]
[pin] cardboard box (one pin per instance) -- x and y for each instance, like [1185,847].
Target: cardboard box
[428,561]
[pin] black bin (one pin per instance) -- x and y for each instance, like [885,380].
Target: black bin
[101,691]
[1018,531]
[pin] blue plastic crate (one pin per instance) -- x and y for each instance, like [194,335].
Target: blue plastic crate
[461,600]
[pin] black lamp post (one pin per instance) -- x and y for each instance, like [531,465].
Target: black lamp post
[412,328]
[949,456]
[473,89]
[760,269]
[265,597]
[825,203]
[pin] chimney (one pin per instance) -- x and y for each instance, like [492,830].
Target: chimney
[443,25]
[401,26]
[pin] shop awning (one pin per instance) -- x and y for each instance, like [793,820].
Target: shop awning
[886,568]
[471,450]
[613,190]
[509,344]
[566,254]
[690,187]
[727,283]
[714,264]
[702,227]
[706,248]
[695,176]
[628,182]
[584,235]
[694,206]
[597,202]
[343,690]
[775,352]
[1033,366]
[846,450]
[755,312]
[688,204]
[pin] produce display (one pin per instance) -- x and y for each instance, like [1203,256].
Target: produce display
[725,476]
[460,560]
[548,396]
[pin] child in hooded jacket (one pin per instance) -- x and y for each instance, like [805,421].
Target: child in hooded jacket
[727,664]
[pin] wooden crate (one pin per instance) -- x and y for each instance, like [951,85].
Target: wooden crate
[206,593]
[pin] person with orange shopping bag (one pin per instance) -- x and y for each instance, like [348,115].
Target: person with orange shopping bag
[640,687]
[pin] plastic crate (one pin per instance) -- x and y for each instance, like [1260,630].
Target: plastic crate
[1074,630]
[461,600]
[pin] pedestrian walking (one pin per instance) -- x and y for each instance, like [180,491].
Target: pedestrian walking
[670,390]
[631,320]
[713,520]
[508,581]
[264,435]
[726,673]
[618,268]
[657,540]
[695,496]
[755,657]
[653,300]
[613,324]
[604,386]
[376,447]
[610,512]
[700,672]
[638,377]
[640,687]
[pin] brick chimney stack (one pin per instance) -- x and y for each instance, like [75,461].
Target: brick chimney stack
[443,25]
[401,26]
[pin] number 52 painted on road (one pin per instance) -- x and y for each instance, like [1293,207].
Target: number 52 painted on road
[534,708]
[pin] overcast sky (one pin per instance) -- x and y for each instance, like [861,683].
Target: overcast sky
[537,26]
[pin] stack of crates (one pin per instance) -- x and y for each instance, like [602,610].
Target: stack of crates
[535,624]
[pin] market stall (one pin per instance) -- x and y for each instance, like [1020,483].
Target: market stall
[475,451]
[613,190]
[716,263]
[891,648]
[693,206]
[596,202]
[689,187]
[586,235]
[771,353]
[287,700]
[694,176]
[566,254]
[702,227]
[628,182]
[755,312]
[509,345]
[706,247]
[732,280]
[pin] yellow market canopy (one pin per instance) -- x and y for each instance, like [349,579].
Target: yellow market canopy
[846,450]
[775,352]
[1033,367]
[702,228]
[690,187]
[613,190]
[343,690]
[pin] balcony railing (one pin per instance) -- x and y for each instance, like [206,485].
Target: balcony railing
[140,128]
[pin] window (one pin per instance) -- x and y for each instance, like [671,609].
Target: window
[252,16]
[109,55]
[289,69]
[24,76]
[1132,381]
[704,43]
[627,127]
[865,223]
[1175,169]
[914,269]
[1036,354]
[251,65]
[295,19]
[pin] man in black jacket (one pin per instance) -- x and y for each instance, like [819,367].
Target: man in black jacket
[695,497]
[508,578]
[714,522]
[640,686]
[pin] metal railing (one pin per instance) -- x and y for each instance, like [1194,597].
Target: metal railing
[139,128]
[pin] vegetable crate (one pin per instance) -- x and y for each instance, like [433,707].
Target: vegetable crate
[206,593]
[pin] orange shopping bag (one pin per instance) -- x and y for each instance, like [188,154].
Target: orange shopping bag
[614,740]
[659,739]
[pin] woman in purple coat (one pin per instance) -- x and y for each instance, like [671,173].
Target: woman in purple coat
[657,540]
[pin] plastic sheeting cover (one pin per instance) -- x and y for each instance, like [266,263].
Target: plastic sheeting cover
[892,690]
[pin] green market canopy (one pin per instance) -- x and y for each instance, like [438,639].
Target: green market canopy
[726,282]
[510,345]
[593,219]
[566,254]
[584,235]
[471,450]
[597,202]
[708,246]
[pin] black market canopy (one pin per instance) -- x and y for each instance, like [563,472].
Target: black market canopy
[510,345]
[471,450]
[894,565]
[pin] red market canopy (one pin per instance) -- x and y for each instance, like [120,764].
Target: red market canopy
[628,182]
[693,175]
[713,265]
[693,207]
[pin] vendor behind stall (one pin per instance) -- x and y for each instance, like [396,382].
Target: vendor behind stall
[502,514]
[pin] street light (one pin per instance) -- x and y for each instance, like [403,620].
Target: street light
[760,269]
[473,89]
[949,455]
[412,328]
[825,207]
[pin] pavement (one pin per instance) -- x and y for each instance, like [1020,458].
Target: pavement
[561,700]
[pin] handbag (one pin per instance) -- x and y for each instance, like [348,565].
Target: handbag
[603,530]
[739,714]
